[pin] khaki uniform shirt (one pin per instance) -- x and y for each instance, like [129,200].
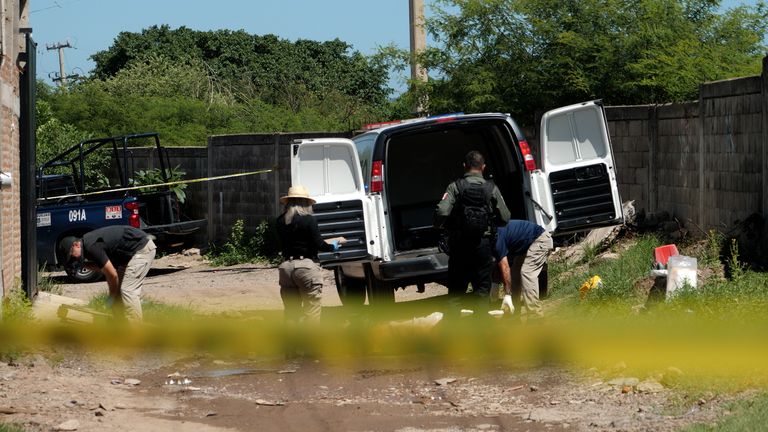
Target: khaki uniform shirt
[445,206]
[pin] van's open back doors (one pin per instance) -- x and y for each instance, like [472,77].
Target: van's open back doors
[578,187]
[330,169]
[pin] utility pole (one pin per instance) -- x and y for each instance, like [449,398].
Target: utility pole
[62,78]
[418,45]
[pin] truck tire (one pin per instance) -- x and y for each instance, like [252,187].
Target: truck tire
[379,292]
[84,275]
[351,291]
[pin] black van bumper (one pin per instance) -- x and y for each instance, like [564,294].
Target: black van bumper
[427,265]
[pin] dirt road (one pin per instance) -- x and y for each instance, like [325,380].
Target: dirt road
[58,388]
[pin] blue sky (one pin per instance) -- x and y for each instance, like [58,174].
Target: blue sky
[92,25]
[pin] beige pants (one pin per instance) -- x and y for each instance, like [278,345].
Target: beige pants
[131,278]
[301,288]
[525,274]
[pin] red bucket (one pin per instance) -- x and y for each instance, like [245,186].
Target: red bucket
[662,253]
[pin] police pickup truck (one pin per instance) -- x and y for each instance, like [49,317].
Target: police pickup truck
[68,204]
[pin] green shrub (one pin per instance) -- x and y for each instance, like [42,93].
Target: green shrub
[244,248]
[154,176]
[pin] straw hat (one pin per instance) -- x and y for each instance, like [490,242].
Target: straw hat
[297,191]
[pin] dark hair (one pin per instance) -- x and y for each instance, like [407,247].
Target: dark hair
[474,159]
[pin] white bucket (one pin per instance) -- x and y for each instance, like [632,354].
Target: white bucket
[681,270]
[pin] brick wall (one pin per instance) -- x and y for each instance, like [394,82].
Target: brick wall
[10,225]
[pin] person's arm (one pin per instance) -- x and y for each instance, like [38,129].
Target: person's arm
[502,211]
[445,206]
[506,275]
[113,281]
[322,245]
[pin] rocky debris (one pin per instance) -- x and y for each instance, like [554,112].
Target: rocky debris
[99,413]
[598,239]
[649,387]
[132,382]
[116,382]
[211,414]
[445,381]
[191,252]
[286,371]
[69,425]
[533,388]
[630,382]
[264,402]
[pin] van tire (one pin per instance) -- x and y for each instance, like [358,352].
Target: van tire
[379,292]
[351,291]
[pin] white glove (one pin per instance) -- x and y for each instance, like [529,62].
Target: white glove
[506,304]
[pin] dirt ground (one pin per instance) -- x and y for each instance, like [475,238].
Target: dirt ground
[64,390]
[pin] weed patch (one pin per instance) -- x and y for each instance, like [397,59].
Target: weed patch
[154,311]
[747,415]
[261,246]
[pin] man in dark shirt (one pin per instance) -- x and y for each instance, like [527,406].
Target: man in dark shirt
[528,246]
[470,259]
[123,254]
[301,278]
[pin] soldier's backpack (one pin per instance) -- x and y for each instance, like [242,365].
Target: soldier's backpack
[473,212]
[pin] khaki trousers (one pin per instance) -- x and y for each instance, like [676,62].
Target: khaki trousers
[301,288]
[131,279]
[525,271]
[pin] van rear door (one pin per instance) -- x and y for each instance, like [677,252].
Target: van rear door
[578,165]
[330,169]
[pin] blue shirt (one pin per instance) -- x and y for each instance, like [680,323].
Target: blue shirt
[516,237]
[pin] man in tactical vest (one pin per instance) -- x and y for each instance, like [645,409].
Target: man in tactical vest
[470,210]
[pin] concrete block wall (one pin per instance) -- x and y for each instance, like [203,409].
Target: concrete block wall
[732,150]
[705,162]
[630,128]
[675,177]
[251,198]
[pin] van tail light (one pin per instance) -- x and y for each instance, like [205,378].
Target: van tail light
[377,177]
[133,219]
[530,162]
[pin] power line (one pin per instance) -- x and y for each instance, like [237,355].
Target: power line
[55,5]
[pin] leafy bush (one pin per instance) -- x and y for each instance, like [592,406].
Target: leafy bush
[154,176]
[244,248]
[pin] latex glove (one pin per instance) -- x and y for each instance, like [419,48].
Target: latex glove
[336,245]
[506,305]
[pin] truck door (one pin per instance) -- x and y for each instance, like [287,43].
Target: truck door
[578,185]
[330,169]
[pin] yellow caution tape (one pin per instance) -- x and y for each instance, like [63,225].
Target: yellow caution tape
[197,180]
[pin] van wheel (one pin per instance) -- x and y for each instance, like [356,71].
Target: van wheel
[83,275]
[351,291]
[379,292]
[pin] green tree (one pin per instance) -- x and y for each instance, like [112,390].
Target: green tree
[281,71]
[523,56]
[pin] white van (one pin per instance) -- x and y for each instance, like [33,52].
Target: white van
[380,189]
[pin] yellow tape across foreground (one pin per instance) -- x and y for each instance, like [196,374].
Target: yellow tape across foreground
[197,180]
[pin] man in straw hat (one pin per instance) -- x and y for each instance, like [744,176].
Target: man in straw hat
[301,279]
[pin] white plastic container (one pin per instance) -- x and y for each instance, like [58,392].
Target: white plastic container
[681,270]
